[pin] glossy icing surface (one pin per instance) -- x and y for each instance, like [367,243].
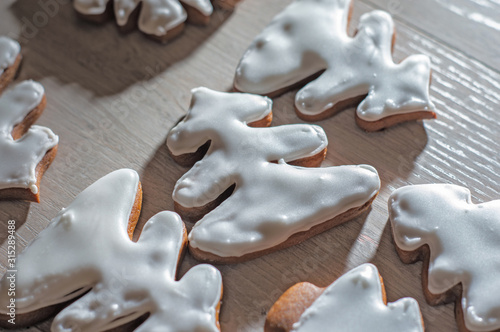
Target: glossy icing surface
[157,17]
[272,199]
[86,248]
[464,242]
[20,157]
[354,303]
[9,50]
[310,36]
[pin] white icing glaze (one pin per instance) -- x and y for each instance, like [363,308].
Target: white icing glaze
[91,7]
[310,36]
[354,303]
[464,242]
[20,157]
[204,6]
[157,17]
[271,200]
[87,248]
[9,50]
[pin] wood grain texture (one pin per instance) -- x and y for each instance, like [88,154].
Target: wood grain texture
[470,26]
[112,99]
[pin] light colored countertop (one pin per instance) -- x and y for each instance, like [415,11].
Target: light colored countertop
[112,99]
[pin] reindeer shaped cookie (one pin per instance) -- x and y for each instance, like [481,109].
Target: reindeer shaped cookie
[355,302]
[160,20]
[86,254]
[26,151]
[309,38]
[274,204]
[10,59]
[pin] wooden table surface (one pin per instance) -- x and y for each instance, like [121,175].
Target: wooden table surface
[112,99]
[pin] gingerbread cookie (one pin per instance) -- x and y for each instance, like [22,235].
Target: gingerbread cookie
[272,203]
[86,253]
[159,19]
[459,244]
[354,302]
[27,150]
[10,59]
[308,42]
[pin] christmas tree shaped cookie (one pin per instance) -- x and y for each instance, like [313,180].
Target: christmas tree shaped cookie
[158,19]
[86,254]
[26,151]
[459,243]
[308,42]
[356,302]
[271,202]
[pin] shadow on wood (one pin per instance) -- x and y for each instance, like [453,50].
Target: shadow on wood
[14,210]
[97,57]
[158,179]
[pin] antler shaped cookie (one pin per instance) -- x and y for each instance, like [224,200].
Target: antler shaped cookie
[26,151]
[355,302]
[459,243]
[159,19]
[86,253]
[310,37]
[274,204]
